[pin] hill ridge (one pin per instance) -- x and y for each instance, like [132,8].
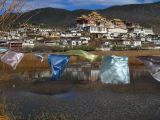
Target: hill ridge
[145,14]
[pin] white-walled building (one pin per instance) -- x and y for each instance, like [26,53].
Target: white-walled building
[51,43]
[45,34]
[45,30]
[78,42]
[136,43]
[75,43]
[85,38]
[96,29]
[148,31]
[26,44]
[126,42]
[69,35]
[142,31]
[117,31]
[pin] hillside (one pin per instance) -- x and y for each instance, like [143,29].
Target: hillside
[145,14]
[52,16]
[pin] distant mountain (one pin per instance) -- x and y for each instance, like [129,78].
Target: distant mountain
[52,16]
[145,14]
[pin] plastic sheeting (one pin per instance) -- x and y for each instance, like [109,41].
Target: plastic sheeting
[89,56]
[2,50]
[12,58]
[115,70]
[40,56]
[153,65]
[58,64]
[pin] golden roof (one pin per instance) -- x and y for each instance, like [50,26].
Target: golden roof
[92,16]
[95,18]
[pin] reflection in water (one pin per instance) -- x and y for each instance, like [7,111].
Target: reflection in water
[72,72]
[28,95]
[30,80]
[84,72]
[141,75]
[67,96]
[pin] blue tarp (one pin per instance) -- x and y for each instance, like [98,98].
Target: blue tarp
[58,64]
[115,70]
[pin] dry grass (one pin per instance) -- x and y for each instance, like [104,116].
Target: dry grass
[47,116]
[2,110]
[3,115]
[131,54]
[30,62]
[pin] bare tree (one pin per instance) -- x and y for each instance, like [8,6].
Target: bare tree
[10,11]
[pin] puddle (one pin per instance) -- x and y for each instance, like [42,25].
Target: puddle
[32,93]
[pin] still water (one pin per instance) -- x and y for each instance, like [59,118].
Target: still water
[35,79]
[30,93]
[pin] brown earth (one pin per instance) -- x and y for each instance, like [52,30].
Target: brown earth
[30,61]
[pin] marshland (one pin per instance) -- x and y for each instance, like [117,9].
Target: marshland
[29,93]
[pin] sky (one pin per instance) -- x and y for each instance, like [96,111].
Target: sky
[80,4]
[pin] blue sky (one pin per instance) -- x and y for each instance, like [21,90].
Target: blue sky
[80,4]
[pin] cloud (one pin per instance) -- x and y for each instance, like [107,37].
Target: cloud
[150,1]
[103,2]
[80,4]
[33,4]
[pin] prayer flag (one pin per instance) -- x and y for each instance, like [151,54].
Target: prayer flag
[40,56]
[91,57]
[58,64]
[12,58]
[115,70]
[153,65]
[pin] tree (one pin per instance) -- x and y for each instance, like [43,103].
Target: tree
[10,11]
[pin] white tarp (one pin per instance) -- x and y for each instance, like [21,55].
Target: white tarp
[40,56]
[115,70]
[12,58]
[153,65]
